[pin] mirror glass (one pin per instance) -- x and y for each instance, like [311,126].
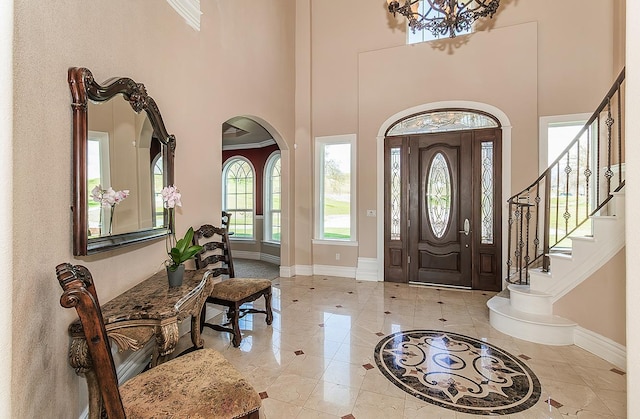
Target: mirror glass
[122,154]
[123,157]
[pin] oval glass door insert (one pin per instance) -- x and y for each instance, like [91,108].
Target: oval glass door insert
[438,195]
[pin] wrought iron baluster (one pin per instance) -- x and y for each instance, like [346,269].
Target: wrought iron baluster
[608,174]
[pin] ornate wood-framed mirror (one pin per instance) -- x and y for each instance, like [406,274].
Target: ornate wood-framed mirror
[117,147]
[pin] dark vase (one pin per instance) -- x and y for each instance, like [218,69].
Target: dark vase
[175,277]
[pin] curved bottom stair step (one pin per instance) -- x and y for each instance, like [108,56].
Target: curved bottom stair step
[537,328]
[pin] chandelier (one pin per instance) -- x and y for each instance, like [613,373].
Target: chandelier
[442,17]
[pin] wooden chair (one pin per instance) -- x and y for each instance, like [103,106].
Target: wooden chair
[201,384]
[226,221]
[232,292]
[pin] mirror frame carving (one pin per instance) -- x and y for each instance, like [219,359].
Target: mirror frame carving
[84,88]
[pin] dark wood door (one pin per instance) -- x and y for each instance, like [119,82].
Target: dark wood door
[442,209]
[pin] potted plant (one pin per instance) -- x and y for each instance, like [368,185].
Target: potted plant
[179,251]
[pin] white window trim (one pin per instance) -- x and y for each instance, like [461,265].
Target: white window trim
[189,10]
[268,167]
[319,142]
[543,130]
[225,167]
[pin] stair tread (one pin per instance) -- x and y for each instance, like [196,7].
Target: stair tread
[502,306]
[526,289]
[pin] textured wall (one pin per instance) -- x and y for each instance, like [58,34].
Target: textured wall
[198,79]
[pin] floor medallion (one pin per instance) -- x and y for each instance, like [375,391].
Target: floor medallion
[457,372]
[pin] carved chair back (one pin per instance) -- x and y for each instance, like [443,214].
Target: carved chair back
[215,249]
[80,293]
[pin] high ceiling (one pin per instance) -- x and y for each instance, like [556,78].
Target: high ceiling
[240,132]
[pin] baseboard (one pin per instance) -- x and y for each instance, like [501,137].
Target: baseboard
[286,271]
[304,270]
[245,254]
[265,257]
[601,346]
[342,271]
[367,269]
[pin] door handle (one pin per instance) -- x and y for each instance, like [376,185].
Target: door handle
[467,227]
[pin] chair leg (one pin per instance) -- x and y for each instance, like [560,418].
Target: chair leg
[267,304]
[203,316]
[234,319]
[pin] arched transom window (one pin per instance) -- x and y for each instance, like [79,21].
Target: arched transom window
[238,196]
[441,121]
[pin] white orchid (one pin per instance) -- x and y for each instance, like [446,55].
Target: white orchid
[108,197]
[171,196]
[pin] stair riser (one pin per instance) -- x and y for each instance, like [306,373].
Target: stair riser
[531,304]
[537,333]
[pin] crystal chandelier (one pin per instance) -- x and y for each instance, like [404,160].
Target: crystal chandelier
[442,17]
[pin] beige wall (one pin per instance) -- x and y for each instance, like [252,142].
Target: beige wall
[632,199]
[198,79]
[532,62]
[603,293]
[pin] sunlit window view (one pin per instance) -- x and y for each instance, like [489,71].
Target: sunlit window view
[272,199]
[559,136]
[98,173]
[238,196]
[424,35]
[158,184]
[335,191]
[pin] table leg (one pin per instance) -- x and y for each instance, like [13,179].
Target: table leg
[166,341]
[196,337]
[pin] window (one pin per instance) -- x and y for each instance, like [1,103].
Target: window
[424,35]
[157,183]
[556,132]
[335,187]
[98,173]
[238,196]
[272,196]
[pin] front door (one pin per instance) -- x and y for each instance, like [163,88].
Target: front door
[442,209]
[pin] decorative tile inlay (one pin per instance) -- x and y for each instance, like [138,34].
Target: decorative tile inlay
[295,301]
[263,395]
[349,416]
[311,288]
[380,334]
[443,320]
[555,404]
[321,325]
[387,312]
[523,356]
[338,306]
[617,371]
[457,372]
[440,302]
[367,366]
[350,292]
[393,296]
[299,352]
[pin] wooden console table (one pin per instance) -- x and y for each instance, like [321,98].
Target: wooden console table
[149,309]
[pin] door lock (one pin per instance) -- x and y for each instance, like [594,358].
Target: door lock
[467,227]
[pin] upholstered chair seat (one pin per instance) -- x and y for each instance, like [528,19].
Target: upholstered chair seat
[213,388]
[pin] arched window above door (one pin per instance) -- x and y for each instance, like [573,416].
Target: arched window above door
[442,120]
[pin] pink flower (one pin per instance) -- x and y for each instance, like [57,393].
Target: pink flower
[108,197]
[171,197]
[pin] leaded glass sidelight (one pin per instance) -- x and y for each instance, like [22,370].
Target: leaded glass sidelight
[486,199]
[441,121]
[396,193]
[438,199]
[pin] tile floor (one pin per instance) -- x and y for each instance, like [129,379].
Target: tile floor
[316,360]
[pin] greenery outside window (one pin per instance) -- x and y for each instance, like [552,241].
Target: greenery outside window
[272,199]
[238,192]
[335,182]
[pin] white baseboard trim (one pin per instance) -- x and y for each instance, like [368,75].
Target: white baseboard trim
[286,271]
[244,254]
[304,270]
[265,257]
[601,346]
[342,271]
[367,270]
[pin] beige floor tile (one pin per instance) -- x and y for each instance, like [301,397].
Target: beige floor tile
[334,399]
[337,323]
[292,388]
[376,405]
[344,373]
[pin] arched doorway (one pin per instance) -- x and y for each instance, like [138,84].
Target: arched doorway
[252,142]
[440,196]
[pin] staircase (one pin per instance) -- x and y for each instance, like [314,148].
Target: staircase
[549,251]
[526,310]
